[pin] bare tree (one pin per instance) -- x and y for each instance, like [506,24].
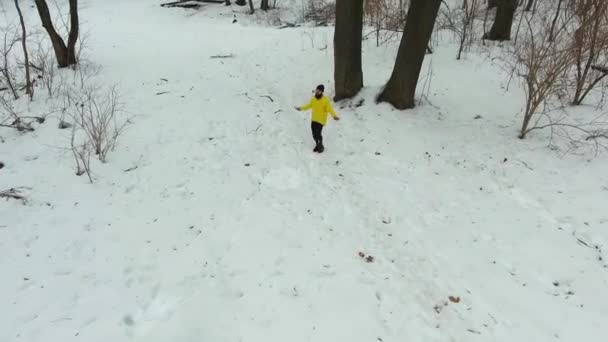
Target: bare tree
[265,6]
[66,55]
[348,73]
[400,90]
[29,88]
[501,29]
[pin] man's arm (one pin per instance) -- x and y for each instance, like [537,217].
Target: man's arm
[331,111]
[306,106]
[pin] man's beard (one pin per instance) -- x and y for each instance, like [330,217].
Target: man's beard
[318,96]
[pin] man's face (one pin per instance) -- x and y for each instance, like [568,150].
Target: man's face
[318,93]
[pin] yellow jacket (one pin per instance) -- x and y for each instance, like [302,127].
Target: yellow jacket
[320,108]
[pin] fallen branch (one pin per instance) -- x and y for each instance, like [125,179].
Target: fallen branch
[131,169]
[19,127]
[288,25]
[222,56]
[162,92]
[526,165]
[268,97]
[190,3]
[255,130]
[13,193]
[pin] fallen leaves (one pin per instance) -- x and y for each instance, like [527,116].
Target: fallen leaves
[454,299]
[368,258]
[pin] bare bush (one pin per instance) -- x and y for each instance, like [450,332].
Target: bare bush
[460,21]
[95,112]
[577,135]
[589,46]
[44,64]
[541,65]
[82,156]
[10,39]
[10,118]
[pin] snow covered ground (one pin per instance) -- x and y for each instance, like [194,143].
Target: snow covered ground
[231,230]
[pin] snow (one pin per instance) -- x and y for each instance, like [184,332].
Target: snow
[231,229]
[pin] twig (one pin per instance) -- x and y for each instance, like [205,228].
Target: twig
[600,69]
[268,96]
[162,92]
[222,56]
[255,130]
[131,168]
[583,242]
[526,165]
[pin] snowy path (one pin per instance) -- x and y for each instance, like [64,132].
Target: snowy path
[230,229]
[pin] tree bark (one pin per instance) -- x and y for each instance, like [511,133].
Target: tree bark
[529,5]
[264,6]
[74,32]
[348,34]
[251,7]
[61,51]
[28,80]
[400,90]
[65,55]
[501,29]
[241,2]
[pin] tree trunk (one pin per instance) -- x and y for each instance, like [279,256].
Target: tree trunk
[264,6]
[348,73]
[529,5]
[501,30]
[74,32]
[61,51]
[400,90]
[28,80]
[251,7]
[241,2]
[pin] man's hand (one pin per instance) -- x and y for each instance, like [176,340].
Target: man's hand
[337,118]
[297,108]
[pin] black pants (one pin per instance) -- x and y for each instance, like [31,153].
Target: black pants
[317,128]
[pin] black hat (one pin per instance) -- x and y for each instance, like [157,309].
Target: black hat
[321,87]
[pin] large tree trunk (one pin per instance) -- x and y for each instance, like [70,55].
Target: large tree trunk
[348,74]
[65,55]
[264,6]
[400,91]
[28,80]
[61,51]
[74,32]
[501,30]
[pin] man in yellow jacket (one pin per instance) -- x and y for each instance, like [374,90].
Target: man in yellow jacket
[320,107]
